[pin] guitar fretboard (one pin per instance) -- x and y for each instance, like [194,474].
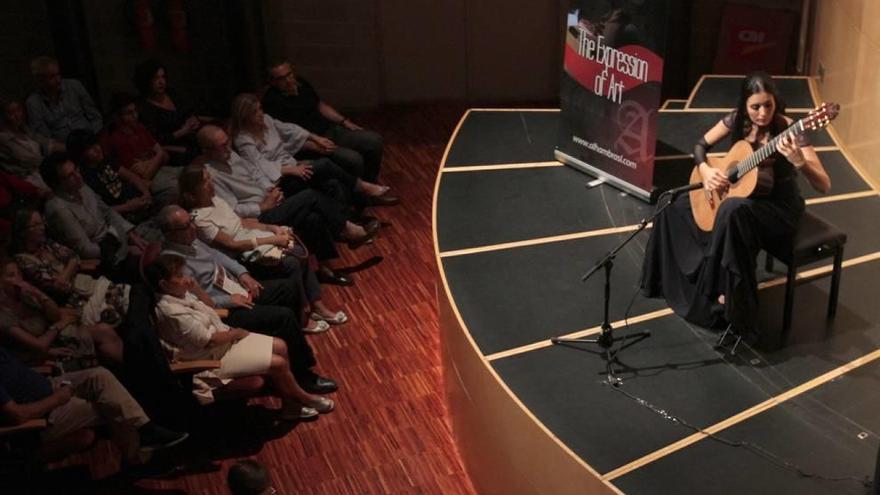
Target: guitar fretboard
[768,149]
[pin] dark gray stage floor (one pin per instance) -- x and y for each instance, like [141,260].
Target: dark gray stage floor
[514,296]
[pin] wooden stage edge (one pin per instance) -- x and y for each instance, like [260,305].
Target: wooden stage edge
[505,449]
[498,438]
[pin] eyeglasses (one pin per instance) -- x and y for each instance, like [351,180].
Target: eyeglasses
[283,76]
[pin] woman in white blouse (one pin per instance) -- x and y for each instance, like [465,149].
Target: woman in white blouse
[270,144]
[190,328]
[266,249]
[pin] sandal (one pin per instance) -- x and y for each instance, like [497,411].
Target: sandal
[337,319]
[320,327]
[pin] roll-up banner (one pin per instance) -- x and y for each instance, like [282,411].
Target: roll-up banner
[613,69]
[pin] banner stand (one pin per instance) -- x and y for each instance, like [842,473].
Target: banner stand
[609,178]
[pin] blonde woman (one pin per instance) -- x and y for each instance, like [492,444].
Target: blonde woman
[270,144]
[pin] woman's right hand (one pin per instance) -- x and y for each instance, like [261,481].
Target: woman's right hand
[713,179]
[242,301]
[60,352]
[303,170]
[281,240]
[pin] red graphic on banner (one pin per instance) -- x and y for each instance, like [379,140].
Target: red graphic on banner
[590,73]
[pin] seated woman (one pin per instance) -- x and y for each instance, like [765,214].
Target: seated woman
[265,249]
[120,188]
[172,123]
[55,270]
[134,148]
[21,149]
[709,278]
[270,145]
[38,329]
[193,331]
[15,193]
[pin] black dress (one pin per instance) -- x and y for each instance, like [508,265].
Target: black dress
[163,123]
[691,268]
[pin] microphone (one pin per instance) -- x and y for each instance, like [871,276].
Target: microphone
[678,190]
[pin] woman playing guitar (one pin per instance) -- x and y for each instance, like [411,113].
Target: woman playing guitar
[709,277]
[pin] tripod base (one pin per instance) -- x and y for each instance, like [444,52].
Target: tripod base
[606,341]
[723,338]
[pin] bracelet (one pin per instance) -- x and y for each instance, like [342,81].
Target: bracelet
[254,242]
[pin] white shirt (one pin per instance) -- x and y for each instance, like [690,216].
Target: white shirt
[211,220]
[281,141]
[186,326]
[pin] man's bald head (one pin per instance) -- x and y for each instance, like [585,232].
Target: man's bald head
[214,142]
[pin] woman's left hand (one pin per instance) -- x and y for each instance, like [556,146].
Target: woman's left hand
[790,149]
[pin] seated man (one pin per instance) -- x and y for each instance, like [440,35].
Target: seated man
[59,106]
[270,308]
[78,218]
[77,400]
[316,218]
[292,99]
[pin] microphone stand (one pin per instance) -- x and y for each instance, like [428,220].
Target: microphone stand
[606,338]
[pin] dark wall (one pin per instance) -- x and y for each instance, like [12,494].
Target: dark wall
[25,34]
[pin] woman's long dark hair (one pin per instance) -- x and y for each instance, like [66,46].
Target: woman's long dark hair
[754,83]
[20,220]
[189,182]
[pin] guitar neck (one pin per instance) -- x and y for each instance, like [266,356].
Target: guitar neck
[768,149]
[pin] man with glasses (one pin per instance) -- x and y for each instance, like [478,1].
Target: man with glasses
[272,307]
[78,218]
[59,105]
[293,99]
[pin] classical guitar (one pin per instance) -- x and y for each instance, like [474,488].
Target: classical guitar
[740,165]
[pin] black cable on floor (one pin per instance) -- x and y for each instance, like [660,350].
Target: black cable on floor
[752,447]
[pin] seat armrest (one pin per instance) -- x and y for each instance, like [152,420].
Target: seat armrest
[29,425]
[192,367]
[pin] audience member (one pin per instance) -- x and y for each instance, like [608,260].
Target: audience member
[292,99]
[193,331]
[77,217]
[15,193]
[133,147]
[267,250]
[249,477]
[21,149]
[123,190]
[271,307]
[317,218]
[173,124]
[39,329]
[77,400]
[59,106]
[55,269]
[270,144]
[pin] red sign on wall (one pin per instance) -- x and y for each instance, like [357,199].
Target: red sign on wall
[753,38]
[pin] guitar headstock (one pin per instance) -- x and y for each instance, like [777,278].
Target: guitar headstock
[821,116]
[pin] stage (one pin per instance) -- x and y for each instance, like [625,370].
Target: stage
[514,231]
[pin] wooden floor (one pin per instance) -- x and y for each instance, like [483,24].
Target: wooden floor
[390,432]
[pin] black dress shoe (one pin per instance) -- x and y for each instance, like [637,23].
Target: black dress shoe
[317,384]
[385,199]
[370,231]
[372,226]
[363,219]
[334,278]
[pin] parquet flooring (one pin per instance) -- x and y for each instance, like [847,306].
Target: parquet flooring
[390,432]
